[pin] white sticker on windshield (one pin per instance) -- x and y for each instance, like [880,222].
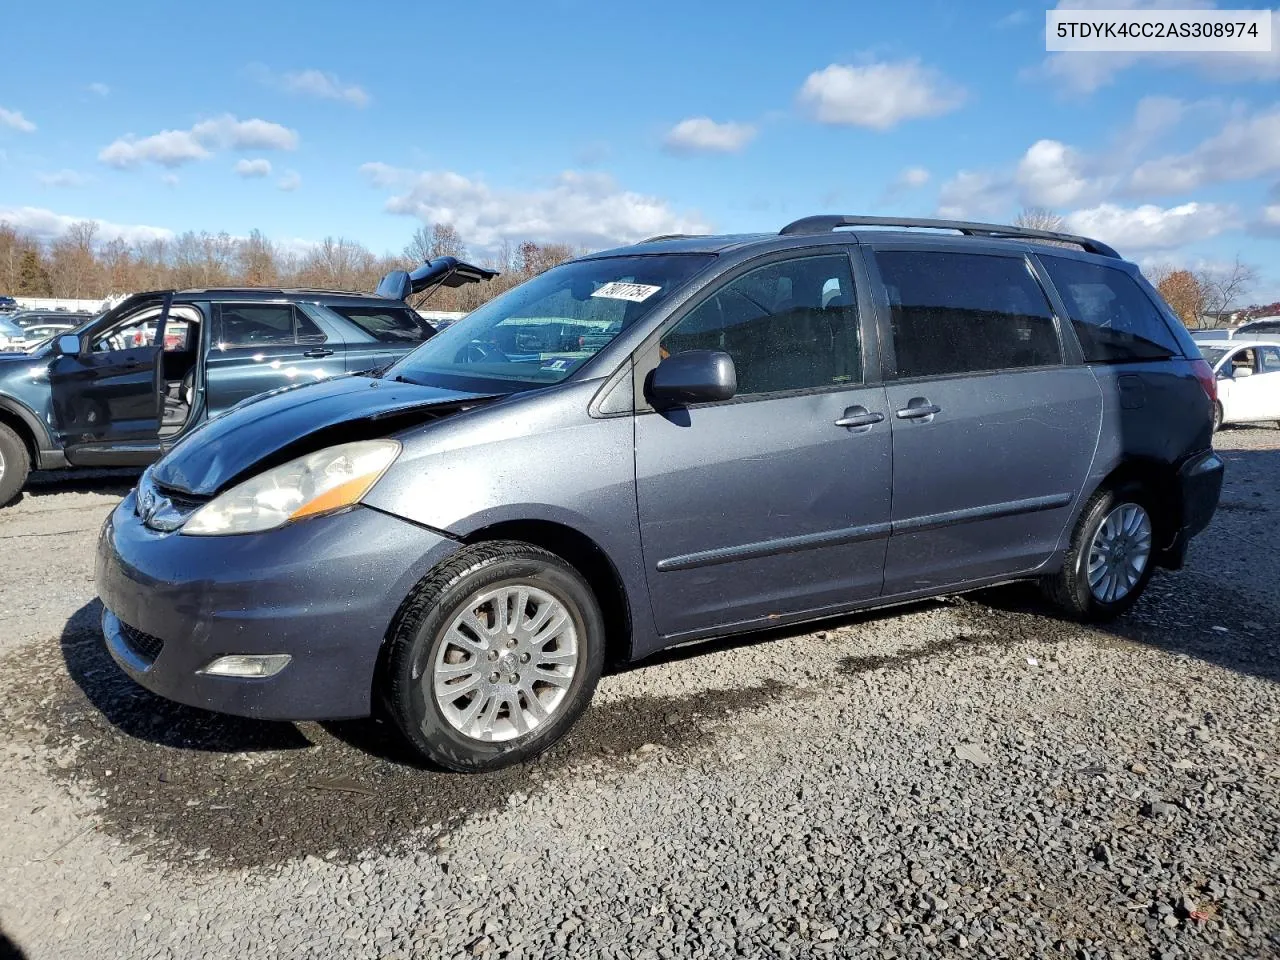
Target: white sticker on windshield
[626,291]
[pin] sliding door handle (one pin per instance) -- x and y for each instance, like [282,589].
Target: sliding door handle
[918,408]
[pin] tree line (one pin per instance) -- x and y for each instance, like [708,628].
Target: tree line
[80,264]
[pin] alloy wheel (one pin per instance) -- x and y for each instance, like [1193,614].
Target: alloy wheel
[506,662]
[1119,553]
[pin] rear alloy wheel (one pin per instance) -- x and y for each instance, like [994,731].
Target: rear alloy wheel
[1217,416]
[1109,562]
[494,657]
[14,464]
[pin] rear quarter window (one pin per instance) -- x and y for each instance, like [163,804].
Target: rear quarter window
[1112,316]
[388,324]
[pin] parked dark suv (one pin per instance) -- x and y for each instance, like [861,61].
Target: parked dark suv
[783,427]
[125,384]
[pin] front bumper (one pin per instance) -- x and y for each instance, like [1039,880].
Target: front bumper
[323,590]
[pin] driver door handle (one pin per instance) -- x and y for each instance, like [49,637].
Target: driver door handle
[859,417]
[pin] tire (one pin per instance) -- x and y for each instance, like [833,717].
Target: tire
[451,732]
[1217,416]
[1071,590]
[15,464]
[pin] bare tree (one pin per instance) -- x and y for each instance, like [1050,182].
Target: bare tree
[1039,218]
[256,263]
[1223,287]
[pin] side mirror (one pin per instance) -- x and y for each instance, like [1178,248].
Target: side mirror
[695,376]
[67,345]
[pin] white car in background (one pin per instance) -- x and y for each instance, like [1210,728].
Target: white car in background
[1248,373]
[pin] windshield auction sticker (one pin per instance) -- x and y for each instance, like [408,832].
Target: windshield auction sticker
[1158,31]
[635,292]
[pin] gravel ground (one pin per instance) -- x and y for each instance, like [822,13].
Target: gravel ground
[968,777]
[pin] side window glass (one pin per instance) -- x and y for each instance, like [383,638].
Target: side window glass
[137,330]
[254,324]
[1243,360]
[1268,360]
[962,313]
[791,325]
[308,332]
[1114,319]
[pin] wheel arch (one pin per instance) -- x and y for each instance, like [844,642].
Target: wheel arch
[589,559]
[1160,482]
[23,422]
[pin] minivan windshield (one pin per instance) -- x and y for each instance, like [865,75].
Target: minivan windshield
[543,330]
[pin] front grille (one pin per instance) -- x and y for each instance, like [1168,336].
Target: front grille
[143,644]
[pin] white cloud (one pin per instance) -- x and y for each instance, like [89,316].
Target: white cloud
[15,120]
[172,148]
[291,181]
[62,178]
[253,168]
[878,95]
[98,89]
[1013,19]
[229,133]
[1149,227]
[704,135]
[326,86]
[1245,147]
[47,225]
[1052,174]
[1084,72]
[912,178]
[170,179]
[587,209]
[169,148]
[976,195]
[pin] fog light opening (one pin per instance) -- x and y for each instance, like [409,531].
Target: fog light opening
[247,665]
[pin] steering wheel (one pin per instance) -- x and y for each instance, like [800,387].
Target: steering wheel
[477,351]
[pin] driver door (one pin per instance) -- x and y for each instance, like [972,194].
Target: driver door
[105,403]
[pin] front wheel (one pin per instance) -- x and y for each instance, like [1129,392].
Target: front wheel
[1109,562]
[494,656]
[14,464]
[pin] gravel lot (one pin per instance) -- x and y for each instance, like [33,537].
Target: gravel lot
[968,777]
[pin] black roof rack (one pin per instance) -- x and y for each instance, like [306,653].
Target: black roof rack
[665,236]
[826,223]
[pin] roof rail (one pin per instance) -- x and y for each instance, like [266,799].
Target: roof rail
[826,223]
[665,236]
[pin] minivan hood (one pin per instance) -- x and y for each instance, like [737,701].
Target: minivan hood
[275,427]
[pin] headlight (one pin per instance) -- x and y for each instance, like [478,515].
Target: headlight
[318,483]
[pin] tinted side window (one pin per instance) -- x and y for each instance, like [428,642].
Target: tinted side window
[307,331]
[791,325]
[255,324]
[1268,360]
[963,312]
[1269,327]
[1114,319]
[388,324]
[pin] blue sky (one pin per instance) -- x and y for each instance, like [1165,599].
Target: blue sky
[597,122]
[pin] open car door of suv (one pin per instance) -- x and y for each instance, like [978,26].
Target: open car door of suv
[105,399]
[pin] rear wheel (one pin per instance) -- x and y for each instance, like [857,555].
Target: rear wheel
[1217,416]
[1109,562]
[494,657]
[15,464]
